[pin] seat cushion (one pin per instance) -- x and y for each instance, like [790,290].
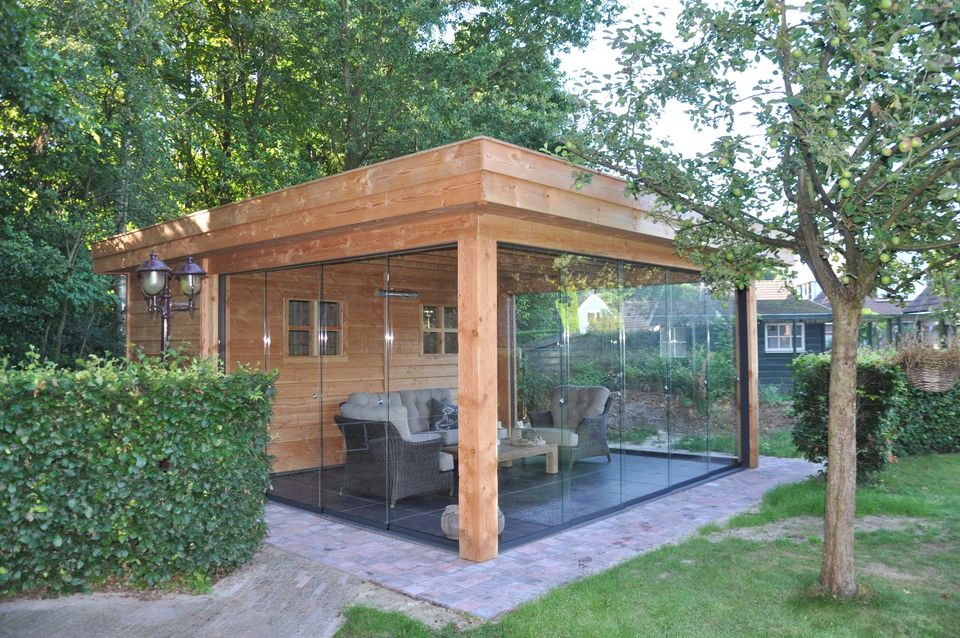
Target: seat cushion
[556,436]
[450,437]
[378,406]
[417,403]
[446,462]
[579,402]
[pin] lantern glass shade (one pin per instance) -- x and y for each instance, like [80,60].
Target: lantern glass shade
[190,275]
[152,282]
[190,284]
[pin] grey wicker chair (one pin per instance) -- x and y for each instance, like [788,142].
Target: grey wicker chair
[380,462]
[591,433]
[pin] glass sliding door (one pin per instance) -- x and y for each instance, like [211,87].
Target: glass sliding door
[645,435]
[293,318]
[352,346]
[531,489]
[722,381]
[422,368]
[590,397]
[683,347]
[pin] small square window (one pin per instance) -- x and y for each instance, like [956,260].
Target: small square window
[450,344]
[431,343]
[299,343]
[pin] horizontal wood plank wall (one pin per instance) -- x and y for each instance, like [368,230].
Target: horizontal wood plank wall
[303,426]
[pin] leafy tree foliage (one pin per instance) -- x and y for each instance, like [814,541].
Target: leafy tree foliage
[122,113]
[842,150]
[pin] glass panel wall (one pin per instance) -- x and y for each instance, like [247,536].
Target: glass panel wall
[621,375]
[626,369]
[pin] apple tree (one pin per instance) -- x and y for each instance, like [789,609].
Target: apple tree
[837,129]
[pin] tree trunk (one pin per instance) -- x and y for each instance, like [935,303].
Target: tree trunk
[837,575]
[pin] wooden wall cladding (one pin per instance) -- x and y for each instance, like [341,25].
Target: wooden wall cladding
[143,327]
[311,388]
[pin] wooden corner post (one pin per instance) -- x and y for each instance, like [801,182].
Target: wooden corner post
[748,372]
[477,397]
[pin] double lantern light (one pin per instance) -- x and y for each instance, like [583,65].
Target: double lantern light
[155,276]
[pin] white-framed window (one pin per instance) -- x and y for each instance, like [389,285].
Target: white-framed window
[779,337]
[673,341]
[314,327]
[828,335]
[439,329]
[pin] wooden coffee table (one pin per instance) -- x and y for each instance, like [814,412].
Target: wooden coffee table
[507,454]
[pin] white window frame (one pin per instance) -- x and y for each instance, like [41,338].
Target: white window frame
[784,331]
[670,345]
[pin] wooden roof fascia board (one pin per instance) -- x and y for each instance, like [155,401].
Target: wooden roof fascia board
[533,166]
[451,161]
[424,231]
[391,207]
[569,204]
[506,228]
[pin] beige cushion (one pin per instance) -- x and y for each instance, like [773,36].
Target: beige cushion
[418,405]
[580,402]
[556,436]
[416,437]
[446,462]
[378,406]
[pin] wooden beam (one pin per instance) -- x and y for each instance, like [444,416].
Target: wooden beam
[477,397]
[751,375]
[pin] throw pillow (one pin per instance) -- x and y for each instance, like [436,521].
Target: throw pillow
[443,416]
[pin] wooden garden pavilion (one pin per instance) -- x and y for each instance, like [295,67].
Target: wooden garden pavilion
[469,197]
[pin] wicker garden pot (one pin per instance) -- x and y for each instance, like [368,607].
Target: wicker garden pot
[930,368]
[930,377]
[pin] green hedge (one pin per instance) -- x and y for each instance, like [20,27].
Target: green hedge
[141,471]
[879,382]
[926,422]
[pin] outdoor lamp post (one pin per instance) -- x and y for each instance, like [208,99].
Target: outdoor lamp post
[155,285]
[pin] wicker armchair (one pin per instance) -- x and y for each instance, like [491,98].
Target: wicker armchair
[590,431]
[382,463]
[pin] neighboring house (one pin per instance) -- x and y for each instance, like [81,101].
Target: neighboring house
[787,326]
[879,326]
[590,311]
[924,314]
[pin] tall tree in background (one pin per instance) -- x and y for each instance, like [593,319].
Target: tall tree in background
[121,113]
[844,151]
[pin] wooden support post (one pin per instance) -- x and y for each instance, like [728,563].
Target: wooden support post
[750,375]
[208,301]
[477,397]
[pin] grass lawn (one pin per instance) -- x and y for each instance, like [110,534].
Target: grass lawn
[772,443]
[713,586]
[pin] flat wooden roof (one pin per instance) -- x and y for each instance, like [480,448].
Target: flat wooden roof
[479,186]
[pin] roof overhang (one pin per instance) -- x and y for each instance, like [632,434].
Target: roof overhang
[477,186]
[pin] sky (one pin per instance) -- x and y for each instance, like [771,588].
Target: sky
[675,125]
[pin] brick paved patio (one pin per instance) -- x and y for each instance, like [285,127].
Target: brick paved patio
[525,573]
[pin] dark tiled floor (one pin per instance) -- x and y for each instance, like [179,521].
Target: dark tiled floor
[532,501]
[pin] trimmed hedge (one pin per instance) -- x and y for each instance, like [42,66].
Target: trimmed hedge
[141,471]
[926,422]
[879,382]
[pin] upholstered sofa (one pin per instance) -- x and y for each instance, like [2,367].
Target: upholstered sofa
[387,436]
[576,421]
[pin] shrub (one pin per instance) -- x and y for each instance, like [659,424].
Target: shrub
[878,384]
[926,422]
[142,471]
